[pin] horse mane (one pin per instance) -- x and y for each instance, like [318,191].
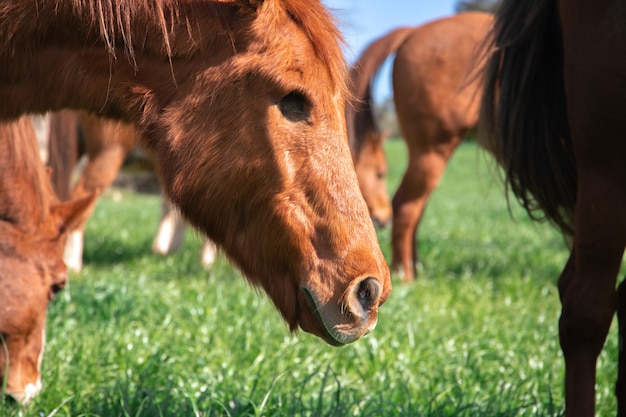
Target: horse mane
[25,186]
[116,17]
[523,119]
[120,23]
[359,112]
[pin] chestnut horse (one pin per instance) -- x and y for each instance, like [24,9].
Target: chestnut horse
[436,99]
[554,113]
[106,144]
[241,102]
[33,227]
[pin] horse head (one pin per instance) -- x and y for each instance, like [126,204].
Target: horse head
[33,228]
[241,103]
[257,157]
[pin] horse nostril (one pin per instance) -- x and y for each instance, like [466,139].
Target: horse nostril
[368,293]
[10,400]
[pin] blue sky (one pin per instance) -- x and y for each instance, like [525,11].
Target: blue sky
[362,21]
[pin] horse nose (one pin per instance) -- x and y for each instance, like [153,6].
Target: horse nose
[24,397]
[379,222]
[365,296]
[381,217]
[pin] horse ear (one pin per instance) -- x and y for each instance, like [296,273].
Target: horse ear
[70,213]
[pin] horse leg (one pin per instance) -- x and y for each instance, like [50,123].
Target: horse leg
[171,234]
[422,176]
[108,144]
[98,174]
[587,289]
[209,253]
[171,231]
[63,150]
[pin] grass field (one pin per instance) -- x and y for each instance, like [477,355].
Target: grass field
[475,335]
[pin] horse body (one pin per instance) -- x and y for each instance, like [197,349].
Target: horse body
[241,102]
[436,101]
[554,113]
[33,226]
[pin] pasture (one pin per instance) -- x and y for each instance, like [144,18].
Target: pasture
[476,335]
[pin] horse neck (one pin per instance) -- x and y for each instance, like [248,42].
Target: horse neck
[25,191]
[91,48]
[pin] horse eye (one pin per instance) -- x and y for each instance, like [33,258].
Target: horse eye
[294,106]
[54,290]
[56,287]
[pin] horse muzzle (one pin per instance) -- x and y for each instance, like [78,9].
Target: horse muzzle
[347,320]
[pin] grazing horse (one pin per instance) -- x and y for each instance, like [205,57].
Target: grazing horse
[33,227]
[436,99]
[241,102]
[106,144]
[554,116]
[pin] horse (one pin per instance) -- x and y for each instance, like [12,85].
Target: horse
[33,228]
[106,144]
[554,114]
[241,102]
[436,99]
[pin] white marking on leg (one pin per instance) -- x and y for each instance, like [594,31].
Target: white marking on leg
[170,234]
[209,253]
[73,254]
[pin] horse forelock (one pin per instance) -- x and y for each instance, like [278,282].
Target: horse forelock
[321,29]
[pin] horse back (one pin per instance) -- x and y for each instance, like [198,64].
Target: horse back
[434,72]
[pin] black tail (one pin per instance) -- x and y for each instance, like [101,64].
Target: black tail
[523,115]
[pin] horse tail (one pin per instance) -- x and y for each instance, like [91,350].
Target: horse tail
[523,119]
[359,116]
[62,151]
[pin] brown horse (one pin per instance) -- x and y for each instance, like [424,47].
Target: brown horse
[554,113]
[33,227]
[242,104]
[105,144]
[436,100]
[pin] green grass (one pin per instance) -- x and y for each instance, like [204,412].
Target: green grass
[475,335]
